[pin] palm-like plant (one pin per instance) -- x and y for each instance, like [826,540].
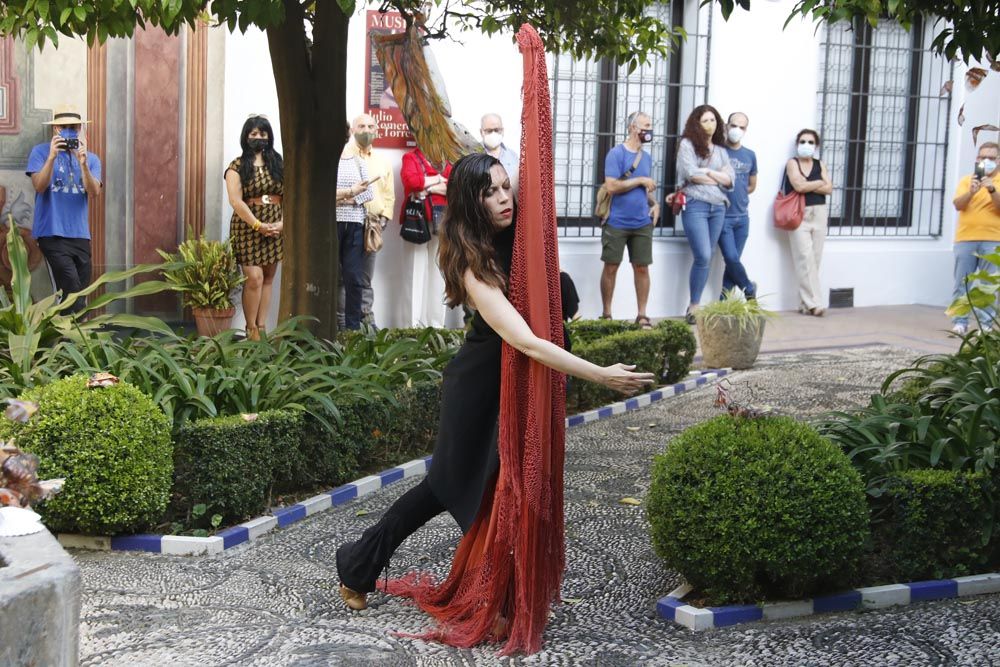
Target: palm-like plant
[27,327]
[205,272]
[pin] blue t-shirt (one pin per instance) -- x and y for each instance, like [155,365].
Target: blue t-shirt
[629,210]
[62,209]
[744,163]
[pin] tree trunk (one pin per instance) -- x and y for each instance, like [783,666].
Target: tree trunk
[311,85]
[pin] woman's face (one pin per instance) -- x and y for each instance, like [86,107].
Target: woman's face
[498,198]
[257,133]
[708,122]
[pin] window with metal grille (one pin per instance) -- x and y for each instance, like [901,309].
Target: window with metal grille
[592,99]
[884,110]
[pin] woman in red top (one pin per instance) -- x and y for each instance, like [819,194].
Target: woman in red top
[422,180]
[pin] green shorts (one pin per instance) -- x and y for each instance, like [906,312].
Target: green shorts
[639,242]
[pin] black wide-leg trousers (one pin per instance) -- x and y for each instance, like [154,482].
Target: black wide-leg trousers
[360,563]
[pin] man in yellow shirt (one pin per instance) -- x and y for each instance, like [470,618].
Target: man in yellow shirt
[364,131]
[977,233]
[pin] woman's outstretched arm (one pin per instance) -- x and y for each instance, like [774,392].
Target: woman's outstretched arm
[498,312]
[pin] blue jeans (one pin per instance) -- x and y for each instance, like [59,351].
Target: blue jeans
[967,262]
[702,226]
[732,241]
[352,270]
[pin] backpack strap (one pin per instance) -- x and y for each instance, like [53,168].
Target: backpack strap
[635,165]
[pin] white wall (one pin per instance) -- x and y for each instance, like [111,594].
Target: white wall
[756,67]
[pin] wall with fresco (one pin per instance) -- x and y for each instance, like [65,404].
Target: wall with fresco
[31,84]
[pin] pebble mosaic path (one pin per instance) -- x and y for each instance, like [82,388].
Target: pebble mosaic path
[275,602]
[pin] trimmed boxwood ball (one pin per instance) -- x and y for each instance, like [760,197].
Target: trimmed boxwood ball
[112,444]
[752,509]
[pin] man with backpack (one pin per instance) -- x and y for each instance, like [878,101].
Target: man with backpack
[630,218]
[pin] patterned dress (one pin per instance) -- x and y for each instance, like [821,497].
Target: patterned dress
[251,247]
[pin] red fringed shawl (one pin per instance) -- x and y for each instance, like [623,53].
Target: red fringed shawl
[508,568]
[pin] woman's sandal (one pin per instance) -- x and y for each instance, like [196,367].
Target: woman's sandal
[643,322]
[353,599]
[253,333]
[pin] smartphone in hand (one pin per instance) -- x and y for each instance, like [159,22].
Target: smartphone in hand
[980,171]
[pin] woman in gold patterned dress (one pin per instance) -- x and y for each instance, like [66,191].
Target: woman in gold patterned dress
[254,185]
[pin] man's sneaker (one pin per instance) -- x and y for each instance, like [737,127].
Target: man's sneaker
[959,329]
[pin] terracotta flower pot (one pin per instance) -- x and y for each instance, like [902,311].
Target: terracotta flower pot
[723,345]
[211,321]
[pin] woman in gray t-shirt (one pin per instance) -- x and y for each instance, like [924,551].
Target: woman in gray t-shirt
[705,175]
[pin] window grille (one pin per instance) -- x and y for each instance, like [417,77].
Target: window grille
[591,100]
[884,112]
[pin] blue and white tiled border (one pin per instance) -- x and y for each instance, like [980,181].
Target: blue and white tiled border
[672,607]
[182,545]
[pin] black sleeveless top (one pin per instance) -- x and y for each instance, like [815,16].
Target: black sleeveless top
[815,174]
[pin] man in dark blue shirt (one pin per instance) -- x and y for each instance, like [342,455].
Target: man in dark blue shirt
[736,225]
[64,176]
[631,219]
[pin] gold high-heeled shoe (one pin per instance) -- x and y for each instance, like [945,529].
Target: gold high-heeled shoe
[353,599]
[252,333]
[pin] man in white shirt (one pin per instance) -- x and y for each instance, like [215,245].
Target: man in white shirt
[364,131]
[491,130]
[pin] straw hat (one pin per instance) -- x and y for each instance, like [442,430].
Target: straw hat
[66,114]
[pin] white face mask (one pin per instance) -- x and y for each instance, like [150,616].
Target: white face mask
[806,150]
[492,139]
[990,166]
[735,135]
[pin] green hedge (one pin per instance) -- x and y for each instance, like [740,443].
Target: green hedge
[666,350]
[234,466]
[112,444]
[752,509]
[938,524]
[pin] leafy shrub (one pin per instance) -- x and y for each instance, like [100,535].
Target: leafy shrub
[589,331]
[228,463]
[233,466]
[28,328]
[909,391]
[952,422]
[678,346]
[938,524]
[748,314]
[758,508]
[112,444]
[205,272]
[202,377]
[665,350]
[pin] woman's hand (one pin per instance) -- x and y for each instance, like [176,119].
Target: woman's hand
[621,377]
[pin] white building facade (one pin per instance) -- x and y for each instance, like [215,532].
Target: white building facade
[881,100]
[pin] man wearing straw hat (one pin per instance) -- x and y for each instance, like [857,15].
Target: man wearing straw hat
[65,175]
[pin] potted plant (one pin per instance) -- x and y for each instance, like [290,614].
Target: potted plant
[730,331]
[207,274]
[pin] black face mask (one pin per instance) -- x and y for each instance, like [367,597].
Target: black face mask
[645,136]
[257,145]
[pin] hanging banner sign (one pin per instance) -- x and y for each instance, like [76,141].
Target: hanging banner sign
[393,132]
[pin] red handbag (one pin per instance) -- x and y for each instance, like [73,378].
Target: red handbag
[789,209]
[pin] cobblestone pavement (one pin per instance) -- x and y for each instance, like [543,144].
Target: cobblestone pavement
[275,602]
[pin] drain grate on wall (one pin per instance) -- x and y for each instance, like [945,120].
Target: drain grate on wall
[842,297]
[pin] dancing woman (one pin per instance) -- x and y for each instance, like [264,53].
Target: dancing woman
[476,251]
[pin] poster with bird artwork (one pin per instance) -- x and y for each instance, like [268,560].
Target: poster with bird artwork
[418,90]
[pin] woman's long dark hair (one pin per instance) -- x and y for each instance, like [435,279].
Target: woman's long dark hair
[694,133]
[272,159]
[467,230]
